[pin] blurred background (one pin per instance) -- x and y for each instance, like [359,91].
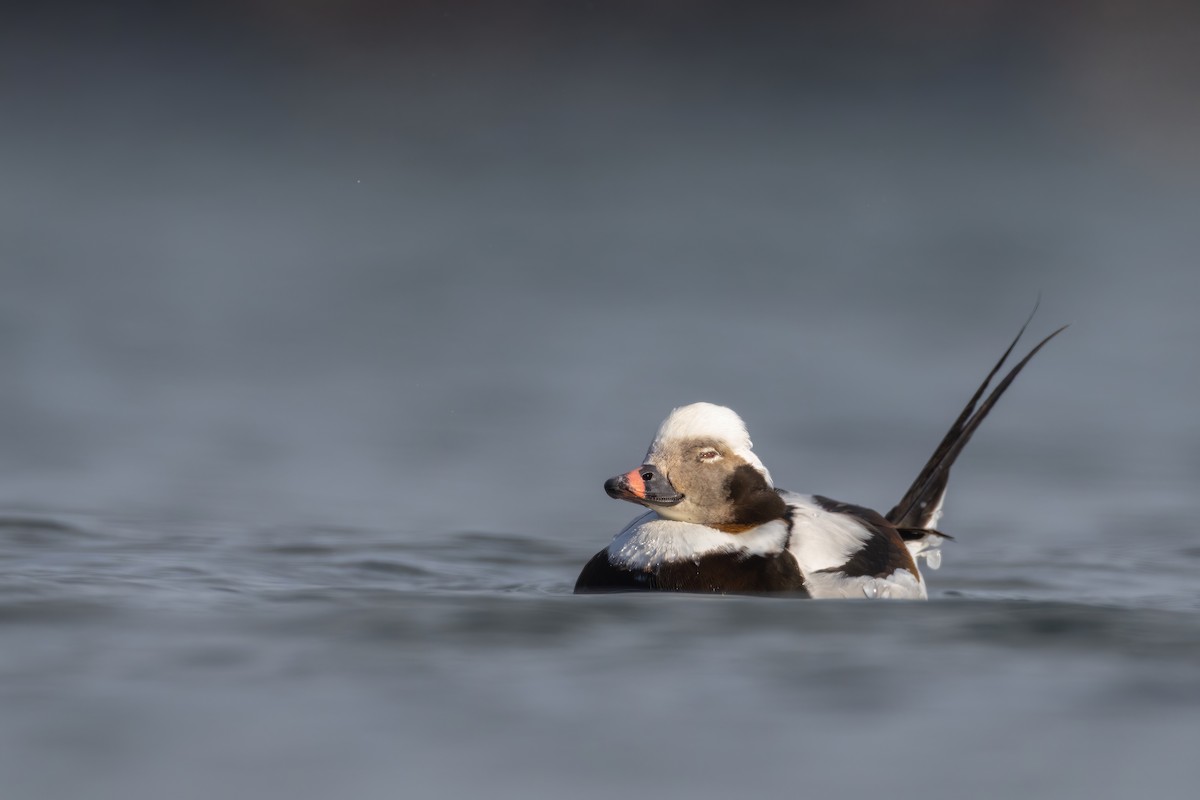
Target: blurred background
[426,270]
[449,264]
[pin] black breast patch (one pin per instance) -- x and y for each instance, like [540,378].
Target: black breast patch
[717,573]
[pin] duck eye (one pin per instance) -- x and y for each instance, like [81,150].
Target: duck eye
[647,476]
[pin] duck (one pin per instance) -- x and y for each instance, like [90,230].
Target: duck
[716,523]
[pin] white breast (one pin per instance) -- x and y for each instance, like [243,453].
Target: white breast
[650,540]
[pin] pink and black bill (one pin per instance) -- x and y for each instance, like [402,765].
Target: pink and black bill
[644,486]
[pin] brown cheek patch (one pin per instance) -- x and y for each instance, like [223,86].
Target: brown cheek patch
[752,498]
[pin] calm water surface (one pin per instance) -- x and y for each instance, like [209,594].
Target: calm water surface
[151,659]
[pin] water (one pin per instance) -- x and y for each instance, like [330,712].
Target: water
[291,661]
[318,348]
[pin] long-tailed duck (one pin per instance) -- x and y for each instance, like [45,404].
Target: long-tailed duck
[717,523]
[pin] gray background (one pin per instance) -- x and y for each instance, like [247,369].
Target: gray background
[322,324]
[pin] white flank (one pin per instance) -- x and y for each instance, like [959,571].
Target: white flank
[822,539]
[900,585]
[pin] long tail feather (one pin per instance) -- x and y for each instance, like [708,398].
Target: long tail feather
[923,499]
[908,503]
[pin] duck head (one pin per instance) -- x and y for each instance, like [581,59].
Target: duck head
[700,468]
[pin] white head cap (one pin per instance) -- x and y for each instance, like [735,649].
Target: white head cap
[706,420]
